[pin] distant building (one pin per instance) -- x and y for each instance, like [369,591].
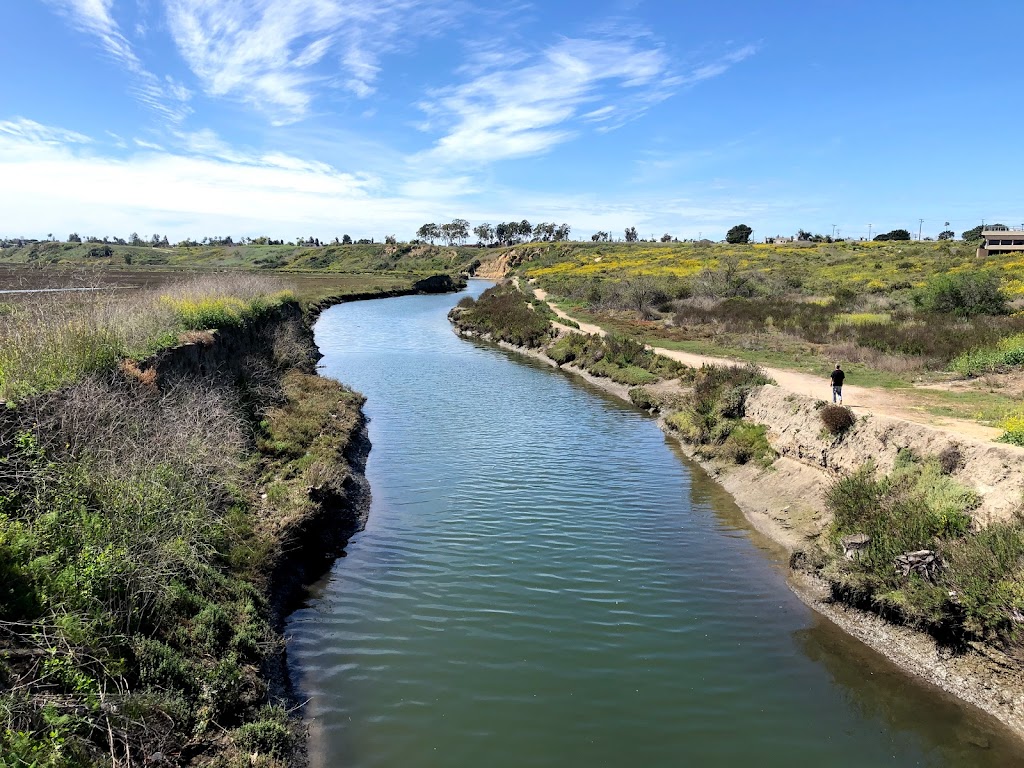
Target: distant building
[778,239]
[1002,240]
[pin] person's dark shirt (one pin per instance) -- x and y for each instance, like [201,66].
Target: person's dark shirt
[837,378]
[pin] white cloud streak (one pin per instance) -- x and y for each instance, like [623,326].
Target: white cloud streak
[267,53]
[526,108]
[164,96]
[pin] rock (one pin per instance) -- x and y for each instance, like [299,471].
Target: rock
[854,544]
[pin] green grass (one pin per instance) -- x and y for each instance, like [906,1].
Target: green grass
[53,340]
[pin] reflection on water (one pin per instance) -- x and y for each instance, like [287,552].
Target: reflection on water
[545,581]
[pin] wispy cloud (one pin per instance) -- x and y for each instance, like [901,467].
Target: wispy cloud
[165,96]
[271,54]
[30,131]
[515,107]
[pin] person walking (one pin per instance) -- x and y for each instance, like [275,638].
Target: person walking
[837,384]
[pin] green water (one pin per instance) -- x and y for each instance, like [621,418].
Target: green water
[546,581]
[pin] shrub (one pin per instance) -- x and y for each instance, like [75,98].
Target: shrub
[1013,429]
[963,294]
[641,397]
[747,442]
[269,735]
[836,418]
[503,313]
[950,459]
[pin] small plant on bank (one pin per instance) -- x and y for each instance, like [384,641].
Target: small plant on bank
[836,418]
[710,415]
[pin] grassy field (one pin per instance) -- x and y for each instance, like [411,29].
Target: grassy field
[896,314]
[401,260]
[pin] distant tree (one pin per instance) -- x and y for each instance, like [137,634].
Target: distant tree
[134,239]
[666,238]
[390,240]
[975,232]
[74,237]
[739,234]
[631,235]
[947,234]
[803,234]
[460,230]
[525,228]
[428,232]
[346,240]
[484,233]
[562,232]
[896,234]
[600,237]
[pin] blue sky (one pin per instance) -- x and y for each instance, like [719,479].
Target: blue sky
[325,117]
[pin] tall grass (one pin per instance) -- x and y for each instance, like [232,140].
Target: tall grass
[51,340]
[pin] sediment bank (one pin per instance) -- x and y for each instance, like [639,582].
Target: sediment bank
[786,503]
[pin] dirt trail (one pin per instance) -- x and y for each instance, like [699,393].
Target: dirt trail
[858,399]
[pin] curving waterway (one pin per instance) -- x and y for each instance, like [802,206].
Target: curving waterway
[546,581]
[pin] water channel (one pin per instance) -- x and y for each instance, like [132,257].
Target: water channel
[545,580]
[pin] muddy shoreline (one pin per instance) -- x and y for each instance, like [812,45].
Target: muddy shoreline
[785,503]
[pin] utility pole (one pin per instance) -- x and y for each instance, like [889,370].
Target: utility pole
[869,231]
[920,226]
[833,231]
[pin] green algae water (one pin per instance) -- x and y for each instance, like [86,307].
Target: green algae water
[545,580]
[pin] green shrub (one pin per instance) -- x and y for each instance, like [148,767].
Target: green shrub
[504,313]
[641,397]
[269,735]
[748,442]
[963,294]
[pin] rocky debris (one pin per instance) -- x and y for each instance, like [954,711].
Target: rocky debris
[923,562]
[854,545]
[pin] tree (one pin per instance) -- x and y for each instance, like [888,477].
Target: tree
[803,234]
[346,240]
[429,232]
[460,230]
[739,234]
[600,237]
[134,239]
[666,238]
[74,237]
[975,233]
[390,240]
[631,235]
[896,234]
[562,232]
[484,233]
[947,234]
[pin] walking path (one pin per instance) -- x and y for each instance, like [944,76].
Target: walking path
[859,399]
